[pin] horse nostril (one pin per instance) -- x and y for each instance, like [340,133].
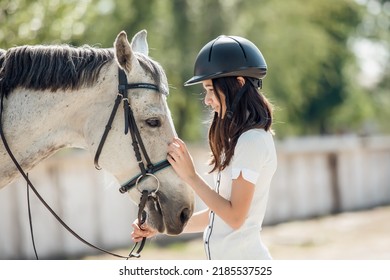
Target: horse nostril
[185,215]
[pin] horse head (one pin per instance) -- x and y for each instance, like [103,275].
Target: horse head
[173,205]
[62,96]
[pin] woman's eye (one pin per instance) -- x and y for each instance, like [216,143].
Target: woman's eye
[153,122]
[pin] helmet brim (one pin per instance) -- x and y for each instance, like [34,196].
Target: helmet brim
[252,72]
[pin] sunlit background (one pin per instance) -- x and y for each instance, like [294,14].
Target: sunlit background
[328,79]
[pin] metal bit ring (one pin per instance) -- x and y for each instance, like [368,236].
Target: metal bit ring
[143,177]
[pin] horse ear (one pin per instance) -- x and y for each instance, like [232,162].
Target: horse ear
[139,43]
[123,52]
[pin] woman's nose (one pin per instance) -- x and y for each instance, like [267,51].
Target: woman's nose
[208,100]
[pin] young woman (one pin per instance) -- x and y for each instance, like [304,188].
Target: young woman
[243,157]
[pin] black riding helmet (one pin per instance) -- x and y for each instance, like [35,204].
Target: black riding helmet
[228,56]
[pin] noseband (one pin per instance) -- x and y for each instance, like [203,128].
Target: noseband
[130,125]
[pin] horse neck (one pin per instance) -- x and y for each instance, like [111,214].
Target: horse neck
[38,124]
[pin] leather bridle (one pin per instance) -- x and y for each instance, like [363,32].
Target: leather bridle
[138,146]
[131,125]
[146,171]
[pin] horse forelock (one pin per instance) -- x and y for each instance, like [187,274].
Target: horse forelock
[51,67]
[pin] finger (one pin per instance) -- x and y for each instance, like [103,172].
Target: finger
[171,148]
[174,148]
[141,230]
[135,226]
[172,160]
[171,151]
[139,234]
[181,147]
[144,227]
[135,235]
[137,239]
[175,145]
[180,142]
[175,153]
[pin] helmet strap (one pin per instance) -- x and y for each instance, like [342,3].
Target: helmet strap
[257,83]
[230,111]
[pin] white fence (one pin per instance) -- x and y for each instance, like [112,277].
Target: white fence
[315,177]
[320,176]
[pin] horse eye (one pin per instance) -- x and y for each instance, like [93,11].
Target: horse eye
[153,122]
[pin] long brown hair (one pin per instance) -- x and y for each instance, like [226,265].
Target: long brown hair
[252,111]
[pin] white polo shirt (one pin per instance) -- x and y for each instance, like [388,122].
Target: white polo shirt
[254,157]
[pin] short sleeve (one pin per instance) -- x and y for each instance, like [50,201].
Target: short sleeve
[250,155]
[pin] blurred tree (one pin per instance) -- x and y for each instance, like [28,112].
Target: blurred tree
[338,21]
[305,44]
[185,33]
[41,22]
[374,31]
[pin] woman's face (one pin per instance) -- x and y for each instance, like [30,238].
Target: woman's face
[211,99]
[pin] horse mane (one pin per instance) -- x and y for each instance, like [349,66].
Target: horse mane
[51,68]
[2,55]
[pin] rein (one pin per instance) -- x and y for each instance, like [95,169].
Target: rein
[137,143]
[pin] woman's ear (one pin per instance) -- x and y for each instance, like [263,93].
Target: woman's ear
[241,80]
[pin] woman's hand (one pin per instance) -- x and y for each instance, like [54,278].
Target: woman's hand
[142,231]
[181,160]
